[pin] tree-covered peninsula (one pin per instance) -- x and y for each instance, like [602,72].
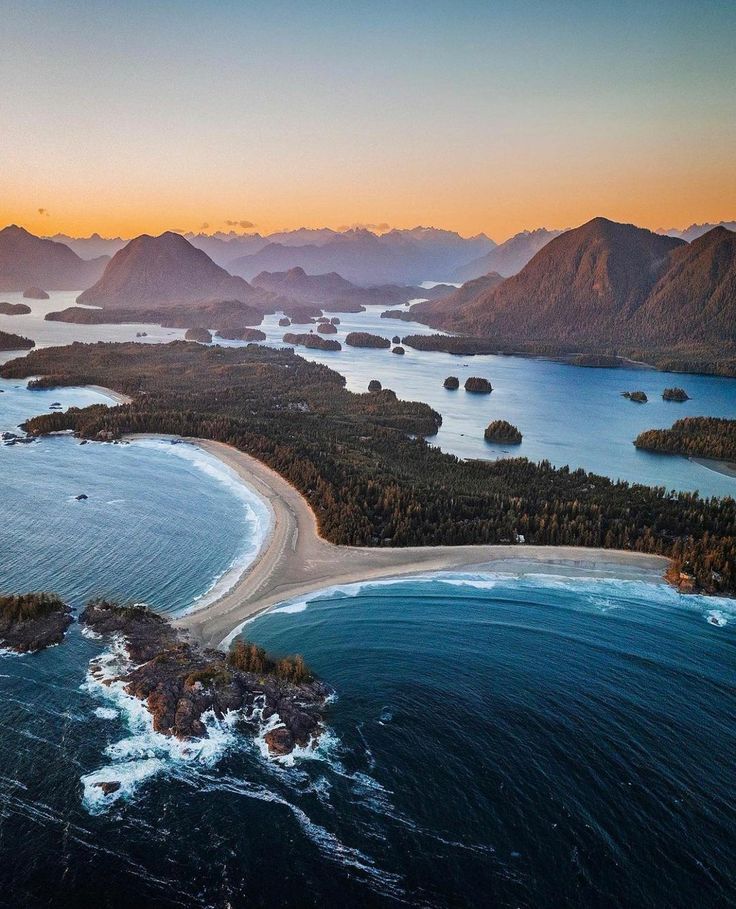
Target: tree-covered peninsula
[360,462]
[694,437]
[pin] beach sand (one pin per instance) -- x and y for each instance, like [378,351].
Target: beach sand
[295,561]
[727,468]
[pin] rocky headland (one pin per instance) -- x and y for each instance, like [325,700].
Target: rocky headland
[30,622]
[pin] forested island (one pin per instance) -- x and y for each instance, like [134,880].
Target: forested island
[14,309]
[675,394]
[201,335]
[9,341]
[32,621]
[477,385]
[241,334]
[638,397]
[502,431]
[451,344]
[314,342]
[694,437]
[180,682]
[366,339]
[359,460]
[451,383]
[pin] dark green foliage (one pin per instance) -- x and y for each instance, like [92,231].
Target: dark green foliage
[21,607]
[9,341]
[452,383]
[477,385]
[675,394]
[502,431]
[366,339]
[245,656]
[696,437]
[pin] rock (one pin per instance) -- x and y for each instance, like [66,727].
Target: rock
[478,385]
[398,350]
[35,293]
[81,497]
[14,309]
[280,741]
[452,383]
[108,786]
[396,339]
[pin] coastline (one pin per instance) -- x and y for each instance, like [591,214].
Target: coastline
[294,561]
[725,468]
[117,396]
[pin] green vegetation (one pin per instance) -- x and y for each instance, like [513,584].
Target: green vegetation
[22,607]
[502,431]
[639,397]
[675,394]
[9,341]
[245,656]
[478,386]
[314,342]
[360,464]
[452,383]
[366,339]
[695,437]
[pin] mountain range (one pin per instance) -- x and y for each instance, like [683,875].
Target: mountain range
[696,230]
[606,285]
[508,257]
[27,260]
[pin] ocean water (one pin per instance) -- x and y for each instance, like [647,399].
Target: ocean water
[520,742]
[567,415]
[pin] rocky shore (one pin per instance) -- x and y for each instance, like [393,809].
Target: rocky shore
[180,681]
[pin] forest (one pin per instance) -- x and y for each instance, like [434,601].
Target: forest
[695,437]
[9,341]
[361,461]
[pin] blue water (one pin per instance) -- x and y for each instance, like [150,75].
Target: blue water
[568,415]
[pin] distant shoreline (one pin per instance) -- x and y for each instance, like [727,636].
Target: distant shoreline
[726,468]
[294,561]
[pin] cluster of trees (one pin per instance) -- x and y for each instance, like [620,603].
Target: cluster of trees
[639,397]
[201,335]
[22,607]
[453,344]
[241,334]
[478,385]
[675,394]
[244,656]
[696,437]
[361,462]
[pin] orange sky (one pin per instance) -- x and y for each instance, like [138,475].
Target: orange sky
[477,117]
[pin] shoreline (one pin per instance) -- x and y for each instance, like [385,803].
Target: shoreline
[725,468]
[293,561]
[117,396]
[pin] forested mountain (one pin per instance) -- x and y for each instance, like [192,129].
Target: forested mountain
[27,260]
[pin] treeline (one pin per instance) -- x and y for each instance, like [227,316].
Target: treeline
[695,437]
[9,341]
[354,459]
[21,607]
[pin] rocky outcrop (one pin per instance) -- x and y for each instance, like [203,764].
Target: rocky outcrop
[35,293]
[241,334]
[366,339]
[30,622]
[503,432]
[452,383]
[478,385]
[201,335]
[180,682]
[14,309]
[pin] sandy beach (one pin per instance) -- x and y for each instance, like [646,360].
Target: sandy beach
[727,468]
[295,561]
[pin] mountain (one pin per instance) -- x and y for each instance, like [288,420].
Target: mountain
[27,260]
[91,247]
[581,288]
[694,301]
[366,258]
[509,257]
[156,272]
[696,230]
[334,293]
[449,304]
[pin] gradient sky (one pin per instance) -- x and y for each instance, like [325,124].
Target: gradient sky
[135,116]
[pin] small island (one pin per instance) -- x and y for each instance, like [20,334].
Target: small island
[400,314]
[335,320]
[30,622]
[180,682]
[467,347]
[35,293]
[478,386]
[9,341]
[398,350]
[200,335]
[638,397]
[284,322]
[396,339]
[451,383]
[675,394]
[366,339]
[503,432]
[14,309]
[374,385]
[312,341]
[241,334]
[326,328]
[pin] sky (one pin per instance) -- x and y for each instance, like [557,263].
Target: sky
[133,117]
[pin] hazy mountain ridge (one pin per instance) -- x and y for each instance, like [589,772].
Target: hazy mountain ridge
[696,230]
[27,260]
[509,257]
